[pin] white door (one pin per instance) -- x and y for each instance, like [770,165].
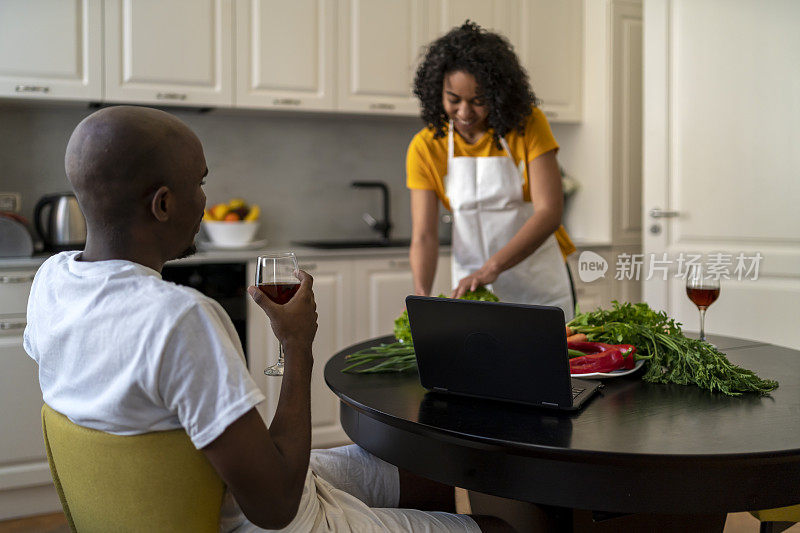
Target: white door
[51,49]
[332,291]
[285,54]
[721,162]
[379,44]
[169,53]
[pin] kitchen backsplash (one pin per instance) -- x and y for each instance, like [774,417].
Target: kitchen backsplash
[297,167]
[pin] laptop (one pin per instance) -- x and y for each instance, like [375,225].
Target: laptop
[501,351]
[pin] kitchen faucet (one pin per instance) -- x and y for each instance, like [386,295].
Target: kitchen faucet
[383,226]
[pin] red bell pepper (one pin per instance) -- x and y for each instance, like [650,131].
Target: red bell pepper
[601,357]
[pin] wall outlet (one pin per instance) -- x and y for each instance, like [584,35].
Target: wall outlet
[10,201]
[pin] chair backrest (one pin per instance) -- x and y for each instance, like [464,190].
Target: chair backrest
[151,482]
[780,514]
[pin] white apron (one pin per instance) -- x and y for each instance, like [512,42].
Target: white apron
[485,196]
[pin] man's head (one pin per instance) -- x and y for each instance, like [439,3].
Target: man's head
[137,173]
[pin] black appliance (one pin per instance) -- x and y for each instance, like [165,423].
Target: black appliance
[224,282]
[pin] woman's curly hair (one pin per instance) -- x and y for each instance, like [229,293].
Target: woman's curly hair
[502,82]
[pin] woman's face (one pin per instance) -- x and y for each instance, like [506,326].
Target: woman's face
[463,104]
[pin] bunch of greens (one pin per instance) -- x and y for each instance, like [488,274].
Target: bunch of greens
[399,356]
[671,357]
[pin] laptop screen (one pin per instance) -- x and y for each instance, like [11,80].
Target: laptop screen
[510,352]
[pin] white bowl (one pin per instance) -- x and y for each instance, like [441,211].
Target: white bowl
[231,234]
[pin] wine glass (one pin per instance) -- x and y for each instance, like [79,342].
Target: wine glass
[275,277]
[702,290]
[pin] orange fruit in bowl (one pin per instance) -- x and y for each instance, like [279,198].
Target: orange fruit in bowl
[232,217]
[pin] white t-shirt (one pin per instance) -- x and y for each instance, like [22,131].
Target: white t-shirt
[123,351]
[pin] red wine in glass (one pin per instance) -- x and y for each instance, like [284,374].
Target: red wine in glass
[702,290]
[276,276]
[280,292]
[702,297]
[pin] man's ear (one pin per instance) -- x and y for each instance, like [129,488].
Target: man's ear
[160,206]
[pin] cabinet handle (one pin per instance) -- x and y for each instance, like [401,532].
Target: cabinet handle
[6,326]
[551,114]
[663,213]
[381,106]
[309,267]
[32,89]
[16,279]
[171,96]
[286,101]
[398,263]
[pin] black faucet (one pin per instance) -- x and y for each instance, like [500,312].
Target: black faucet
[383,226]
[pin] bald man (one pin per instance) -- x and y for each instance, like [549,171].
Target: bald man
[122,351]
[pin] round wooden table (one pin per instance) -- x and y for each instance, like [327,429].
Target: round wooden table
[635,447]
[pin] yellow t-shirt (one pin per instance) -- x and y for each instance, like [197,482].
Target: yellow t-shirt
[426,160]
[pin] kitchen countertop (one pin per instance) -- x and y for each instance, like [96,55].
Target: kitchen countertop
[224,256]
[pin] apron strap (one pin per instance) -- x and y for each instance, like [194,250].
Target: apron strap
[450,150]
[504,144]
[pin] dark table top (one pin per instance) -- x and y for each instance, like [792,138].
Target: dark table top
[634,447]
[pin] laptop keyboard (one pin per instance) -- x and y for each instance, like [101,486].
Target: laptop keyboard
[576,391]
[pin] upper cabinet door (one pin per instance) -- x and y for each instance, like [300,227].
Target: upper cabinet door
[496,15]
[550,46]
[380,43]
[51,49]
[285,54]
[172,53]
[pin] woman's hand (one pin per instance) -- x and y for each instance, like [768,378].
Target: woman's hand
[483,276]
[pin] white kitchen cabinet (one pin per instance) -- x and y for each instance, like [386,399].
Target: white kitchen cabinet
[379,46]
[51,49]
[500,16]
[357,298]
[547,37]
[332,291]
[169,53]
[285,54]
[25,483]
[381,287]
[549,42]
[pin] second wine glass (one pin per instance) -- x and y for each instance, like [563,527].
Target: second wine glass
[276,276]
[702,290]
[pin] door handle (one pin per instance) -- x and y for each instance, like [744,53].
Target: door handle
[664,213]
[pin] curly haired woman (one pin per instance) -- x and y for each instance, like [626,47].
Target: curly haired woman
[487,153]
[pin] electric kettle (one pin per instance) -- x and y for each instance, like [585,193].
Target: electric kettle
[60,222]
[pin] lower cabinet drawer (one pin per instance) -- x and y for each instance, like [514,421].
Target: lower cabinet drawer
[15,286]
[21,401]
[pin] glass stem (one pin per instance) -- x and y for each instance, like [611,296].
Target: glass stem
[280,352]
[702,323]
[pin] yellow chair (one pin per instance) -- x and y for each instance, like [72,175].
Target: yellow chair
[151,482]
[779,519]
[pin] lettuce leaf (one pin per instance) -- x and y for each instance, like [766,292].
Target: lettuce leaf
[402,329]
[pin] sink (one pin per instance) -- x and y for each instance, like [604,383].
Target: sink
[341,244]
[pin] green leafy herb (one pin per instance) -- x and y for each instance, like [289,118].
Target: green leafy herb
[400,356]
[671,357]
